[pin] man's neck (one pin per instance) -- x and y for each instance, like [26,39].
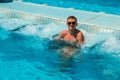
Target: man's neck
[72,32]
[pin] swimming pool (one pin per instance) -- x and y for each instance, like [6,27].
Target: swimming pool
[30,53]
[111,6]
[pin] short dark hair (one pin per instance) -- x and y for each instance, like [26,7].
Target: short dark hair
[72,17]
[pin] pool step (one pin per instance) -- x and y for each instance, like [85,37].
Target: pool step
[101,19]
[37,19]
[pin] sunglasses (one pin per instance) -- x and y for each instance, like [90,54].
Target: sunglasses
[71,23]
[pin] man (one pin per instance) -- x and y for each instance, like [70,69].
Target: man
[72,35]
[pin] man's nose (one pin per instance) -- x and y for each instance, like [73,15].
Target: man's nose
[71,24]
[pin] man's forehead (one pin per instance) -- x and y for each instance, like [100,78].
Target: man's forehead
[71,19]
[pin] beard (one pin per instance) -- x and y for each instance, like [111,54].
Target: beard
[72,30]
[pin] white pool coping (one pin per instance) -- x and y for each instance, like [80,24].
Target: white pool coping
[100,19]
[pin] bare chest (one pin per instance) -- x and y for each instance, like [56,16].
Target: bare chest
[69,37]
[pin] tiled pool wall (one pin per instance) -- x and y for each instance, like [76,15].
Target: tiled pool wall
[43,20]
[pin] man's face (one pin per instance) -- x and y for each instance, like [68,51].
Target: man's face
[71,24]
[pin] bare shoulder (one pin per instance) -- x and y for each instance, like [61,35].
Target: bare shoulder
[64,31]
[79,33]
[62,34]
[80,37]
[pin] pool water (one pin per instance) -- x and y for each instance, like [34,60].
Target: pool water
[107,6]
[31,54]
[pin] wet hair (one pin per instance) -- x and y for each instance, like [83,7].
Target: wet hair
[72,17]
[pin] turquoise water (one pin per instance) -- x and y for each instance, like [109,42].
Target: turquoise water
[31,54]
[107,6]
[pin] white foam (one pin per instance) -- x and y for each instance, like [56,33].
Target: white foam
[112,45]
[46,31]
[43,31]
[93,39]
[33,30]
[51,29]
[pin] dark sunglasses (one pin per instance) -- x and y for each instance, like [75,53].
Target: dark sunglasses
[71,23]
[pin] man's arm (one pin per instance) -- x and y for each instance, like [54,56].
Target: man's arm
[80,38]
